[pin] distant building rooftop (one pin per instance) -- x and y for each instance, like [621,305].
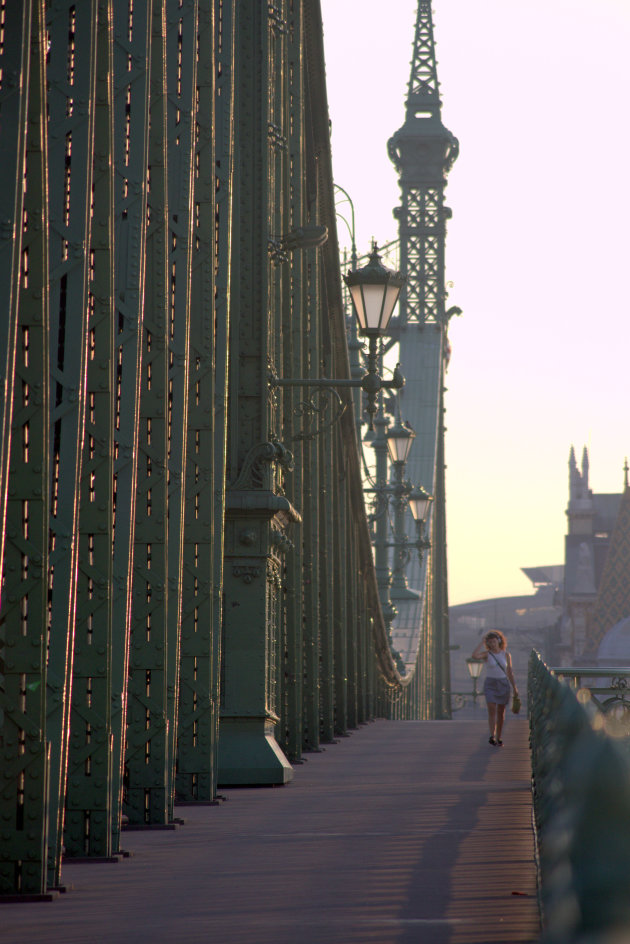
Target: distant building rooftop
[545,576]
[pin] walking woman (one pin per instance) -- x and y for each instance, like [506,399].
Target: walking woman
[499,679]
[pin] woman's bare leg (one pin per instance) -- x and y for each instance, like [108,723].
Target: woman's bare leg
[492,718]
[500,719]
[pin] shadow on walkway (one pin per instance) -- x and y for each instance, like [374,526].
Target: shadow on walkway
[405,832]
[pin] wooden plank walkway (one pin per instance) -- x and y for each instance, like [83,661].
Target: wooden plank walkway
[403,832]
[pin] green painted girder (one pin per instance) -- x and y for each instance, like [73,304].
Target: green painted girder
[326,583]
[288,281]
[148,778]
[311,496]
[311,600]
[353,641]
[224,69]
[196,768]
[71,78]
[339,547]
[88,818]
[15,60]
[181,65]
[442,637]
[24,753]
[132,53]
[256,512]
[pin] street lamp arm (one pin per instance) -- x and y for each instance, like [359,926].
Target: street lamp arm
[351,229]
[314,382]
[371,381]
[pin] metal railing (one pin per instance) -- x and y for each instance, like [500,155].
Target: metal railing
[581,788]
[608,687]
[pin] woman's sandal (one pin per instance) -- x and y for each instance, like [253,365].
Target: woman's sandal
[499,743]
[493,740]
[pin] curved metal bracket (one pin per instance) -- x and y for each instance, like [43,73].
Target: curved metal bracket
[308,236]
[320,410]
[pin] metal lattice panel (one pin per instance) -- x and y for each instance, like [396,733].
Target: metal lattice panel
[423,82]
[422,233]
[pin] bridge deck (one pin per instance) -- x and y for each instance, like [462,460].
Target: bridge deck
[405,832]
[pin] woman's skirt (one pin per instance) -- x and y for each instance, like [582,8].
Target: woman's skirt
[497,691]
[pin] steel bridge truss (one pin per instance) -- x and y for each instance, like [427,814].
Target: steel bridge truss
[188,594]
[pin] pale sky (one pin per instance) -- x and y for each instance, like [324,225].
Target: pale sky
[538,251]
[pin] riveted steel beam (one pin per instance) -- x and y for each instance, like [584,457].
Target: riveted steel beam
[15,58]
[181,64]
[132,53]
[196,774]
[24,753]
[71,85]
[257,511]
[88,821]
[147,755]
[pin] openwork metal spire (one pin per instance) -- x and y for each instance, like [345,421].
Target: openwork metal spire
[423,151]
[423,82]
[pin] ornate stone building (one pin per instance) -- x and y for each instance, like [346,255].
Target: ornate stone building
[597,567]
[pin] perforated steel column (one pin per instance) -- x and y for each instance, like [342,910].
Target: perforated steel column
[181,64]
[147,754]
[196,774]
[88,823]
[71,83]
[132,53]
[24,756]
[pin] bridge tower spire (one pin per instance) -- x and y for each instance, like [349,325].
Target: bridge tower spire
[423,151]
[423,82]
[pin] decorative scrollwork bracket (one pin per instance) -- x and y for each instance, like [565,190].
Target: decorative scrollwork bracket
[370,382]
[308,236]
[319,413]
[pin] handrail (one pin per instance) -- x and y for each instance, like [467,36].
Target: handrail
[588,671]
[581,791]
[614,683]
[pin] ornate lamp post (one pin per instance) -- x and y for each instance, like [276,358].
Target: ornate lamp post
[474,668]
[354,344]
[419,501]
[400,438]
[378,442]
[396,441]
[374,290]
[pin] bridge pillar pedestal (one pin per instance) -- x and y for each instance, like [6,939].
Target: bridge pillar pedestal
[253,645]
[250,755]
